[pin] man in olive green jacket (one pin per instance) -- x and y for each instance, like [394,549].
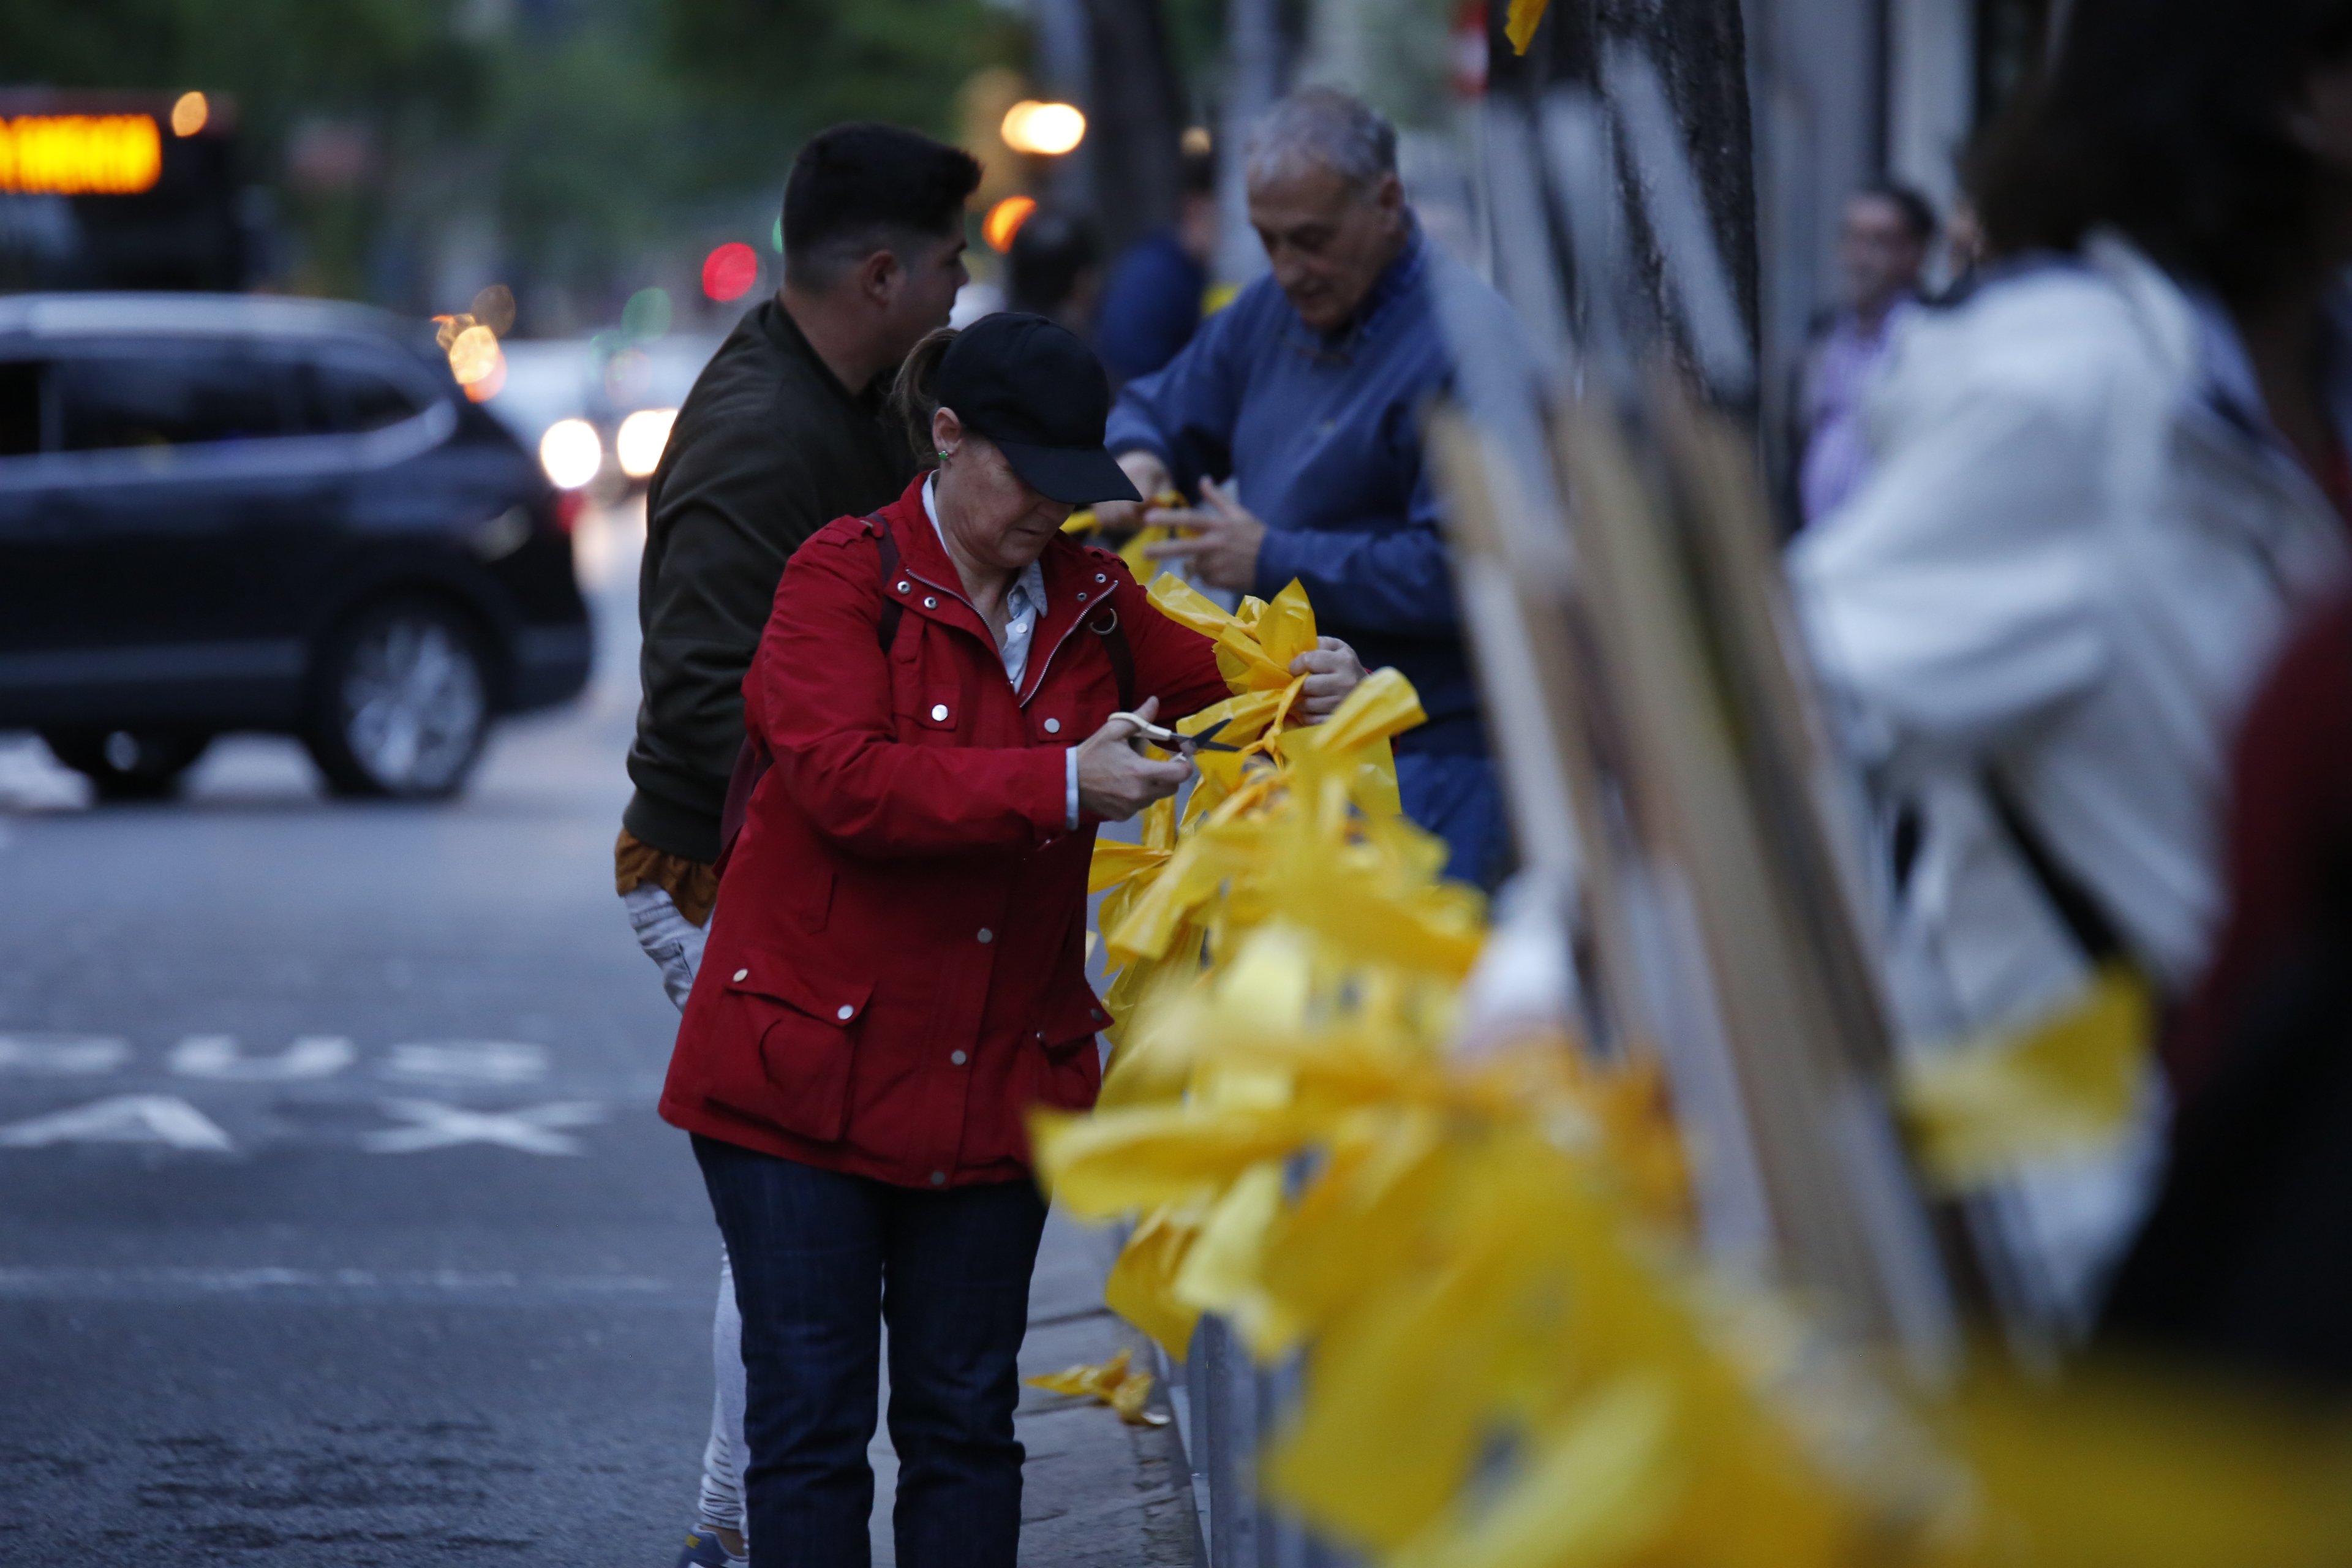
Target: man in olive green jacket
[784,431]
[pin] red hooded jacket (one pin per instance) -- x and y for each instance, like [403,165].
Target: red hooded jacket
[895,971]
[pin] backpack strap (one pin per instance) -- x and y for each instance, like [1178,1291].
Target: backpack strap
[752,759]
[885,562]
[2075,905]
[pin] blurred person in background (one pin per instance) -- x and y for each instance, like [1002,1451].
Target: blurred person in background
[1307,391]
[1964,251]
[1882,255]
[2105,487]
[1054,271]
[784,430]
[1152,305]
[948,690]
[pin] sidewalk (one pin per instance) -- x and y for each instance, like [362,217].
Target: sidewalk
[1097,1494]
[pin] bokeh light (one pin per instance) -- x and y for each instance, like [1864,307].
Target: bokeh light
[189,113]
[647,313]
[728,272]
[571,453]
[639,442]
[494,306]
[1047,128]
[1004,220]
[473,354]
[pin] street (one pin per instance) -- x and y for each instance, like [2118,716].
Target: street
[336,1224]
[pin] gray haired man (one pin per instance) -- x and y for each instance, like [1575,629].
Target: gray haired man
[1309,391]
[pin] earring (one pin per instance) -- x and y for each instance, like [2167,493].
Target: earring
[945,454]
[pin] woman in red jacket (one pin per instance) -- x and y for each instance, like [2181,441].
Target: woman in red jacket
[897,969]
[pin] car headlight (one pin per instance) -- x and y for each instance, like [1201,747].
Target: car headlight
[571,453]
[639,442]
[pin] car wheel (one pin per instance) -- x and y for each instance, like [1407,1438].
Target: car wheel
[128,765]
[402,702]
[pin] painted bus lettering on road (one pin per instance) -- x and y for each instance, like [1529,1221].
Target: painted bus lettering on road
[62,1056]
[436,1126]
[217,1057]
[124,1119]
[222,1058]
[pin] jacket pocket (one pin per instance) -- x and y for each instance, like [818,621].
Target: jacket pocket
[806,1028]
[1068,1064]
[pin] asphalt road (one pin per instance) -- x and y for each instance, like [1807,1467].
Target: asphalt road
[336,1227]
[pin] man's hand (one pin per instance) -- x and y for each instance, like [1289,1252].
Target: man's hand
[1332,670]
[1224,542]
[1149,476]
[1115,780]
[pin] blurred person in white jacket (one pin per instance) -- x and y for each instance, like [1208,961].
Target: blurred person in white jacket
[2106,486]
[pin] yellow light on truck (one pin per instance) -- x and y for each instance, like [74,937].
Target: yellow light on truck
[79,154]
[189,112]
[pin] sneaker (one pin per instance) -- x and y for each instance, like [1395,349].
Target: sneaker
[703,1550]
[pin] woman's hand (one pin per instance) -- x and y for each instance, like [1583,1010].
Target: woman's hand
[1115,780]
[1332,670]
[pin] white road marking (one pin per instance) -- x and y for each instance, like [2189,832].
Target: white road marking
[466,1061]
[217,1057]
[62,1056]
[438,1126]
[124,1119]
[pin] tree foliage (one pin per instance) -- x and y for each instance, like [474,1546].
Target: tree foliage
[583,136]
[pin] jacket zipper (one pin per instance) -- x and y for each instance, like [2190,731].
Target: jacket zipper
[1036,682]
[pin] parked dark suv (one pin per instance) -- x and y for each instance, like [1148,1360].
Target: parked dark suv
[222,513]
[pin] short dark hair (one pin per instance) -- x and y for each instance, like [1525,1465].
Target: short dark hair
[1049,255]
[2166,120]
[1196,173]
[857,189]
[1919,212]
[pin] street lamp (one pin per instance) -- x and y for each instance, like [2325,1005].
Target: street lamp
[1046,130]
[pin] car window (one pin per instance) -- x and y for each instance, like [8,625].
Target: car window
[148,398]
[351,399]
[20,409]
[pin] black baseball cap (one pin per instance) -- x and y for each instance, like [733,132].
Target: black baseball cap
[1033,389]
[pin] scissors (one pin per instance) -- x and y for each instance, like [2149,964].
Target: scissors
[1171,740]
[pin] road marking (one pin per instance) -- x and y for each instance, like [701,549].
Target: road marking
[466,1061]
[217,1057]
[124,1119]
[438,1126]
[62,1056]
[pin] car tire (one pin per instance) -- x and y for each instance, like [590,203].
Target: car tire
[401,701]
[128,765]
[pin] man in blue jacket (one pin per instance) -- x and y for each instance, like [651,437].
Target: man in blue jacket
[1308,391]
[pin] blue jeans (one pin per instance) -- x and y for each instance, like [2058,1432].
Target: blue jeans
[822,1260]
[1458,798]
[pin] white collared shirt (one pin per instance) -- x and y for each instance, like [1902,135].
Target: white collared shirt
[1025,606]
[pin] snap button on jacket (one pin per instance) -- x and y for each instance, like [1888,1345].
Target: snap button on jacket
[845,1017]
